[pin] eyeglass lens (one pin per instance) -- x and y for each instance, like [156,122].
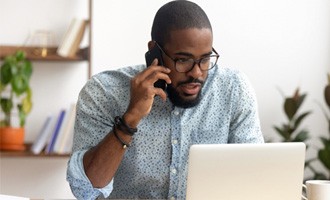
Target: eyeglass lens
[185,65]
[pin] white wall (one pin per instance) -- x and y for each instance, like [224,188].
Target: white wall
[278,43]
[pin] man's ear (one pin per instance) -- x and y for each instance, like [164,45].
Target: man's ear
[151,44]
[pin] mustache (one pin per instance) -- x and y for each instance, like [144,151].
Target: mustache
[191,80]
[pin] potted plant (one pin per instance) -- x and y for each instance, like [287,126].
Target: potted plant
[290,131]
[16,100]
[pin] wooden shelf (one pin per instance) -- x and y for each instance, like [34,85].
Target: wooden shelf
[34,54]
[28,153]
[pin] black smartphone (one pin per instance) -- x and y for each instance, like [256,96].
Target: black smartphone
[150,56]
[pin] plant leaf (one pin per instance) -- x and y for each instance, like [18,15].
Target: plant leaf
[290,107]
[325,142]
[27,69]
[327,95]
[20,83]
[6,105]
[301,136]
[324,156]
[22,115]
[300,100]
[2,86]
[20,55]
[282,132]
[29,94]
[5,73]
[26,105]
[300,118]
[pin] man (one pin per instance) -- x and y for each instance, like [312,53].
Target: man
[132,139]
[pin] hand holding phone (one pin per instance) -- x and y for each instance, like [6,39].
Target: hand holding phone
[150,57]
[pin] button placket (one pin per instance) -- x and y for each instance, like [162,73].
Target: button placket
[176,132]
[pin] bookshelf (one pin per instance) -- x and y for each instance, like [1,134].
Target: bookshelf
[27,153]
[82,55]
[17,154]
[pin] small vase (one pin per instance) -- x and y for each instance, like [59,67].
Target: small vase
[12,139]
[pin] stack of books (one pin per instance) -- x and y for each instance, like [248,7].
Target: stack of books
[56,134]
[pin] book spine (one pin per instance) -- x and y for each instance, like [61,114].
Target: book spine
[63,48]
[51,143]
[77,39]
[40,142]
[63,134]
[72,38]
[68,134]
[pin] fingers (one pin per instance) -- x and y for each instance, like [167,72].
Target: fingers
[161,93]
[143,90]
[153,73]
[156,72]
[159,74]
[154,62]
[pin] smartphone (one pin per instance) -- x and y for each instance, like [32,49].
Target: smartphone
[150,56]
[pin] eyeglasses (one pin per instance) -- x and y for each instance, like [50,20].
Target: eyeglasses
[184,65]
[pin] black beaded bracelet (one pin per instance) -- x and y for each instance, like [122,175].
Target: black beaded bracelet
[120,123]
[125,145]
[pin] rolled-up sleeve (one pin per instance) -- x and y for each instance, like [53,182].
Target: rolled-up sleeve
[80,185]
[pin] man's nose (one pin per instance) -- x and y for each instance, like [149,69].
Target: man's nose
[196,71]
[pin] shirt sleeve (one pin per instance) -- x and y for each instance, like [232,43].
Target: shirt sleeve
[80,185]
[245,124]
[90,128]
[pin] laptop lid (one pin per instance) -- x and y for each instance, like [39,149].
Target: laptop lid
[268,171]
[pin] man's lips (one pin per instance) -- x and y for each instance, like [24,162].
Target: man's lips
[191,88]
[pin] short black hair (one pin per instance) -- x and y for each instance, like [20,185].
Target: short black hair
[177,15]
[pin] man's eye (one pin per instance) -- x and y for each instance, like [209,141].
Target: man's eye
[183,60]
[205,60]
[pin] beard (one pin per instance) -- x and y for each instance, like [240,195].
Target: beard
[180,101]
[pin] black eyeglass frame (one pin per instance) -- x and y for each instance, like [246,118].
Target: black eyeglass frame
[198,61]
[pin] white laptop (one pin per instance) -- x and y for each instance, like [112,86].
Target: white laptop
[269,171]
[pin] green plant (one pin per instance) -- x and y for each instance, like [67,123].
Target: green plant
[15,74]
[324,152]
[289,131]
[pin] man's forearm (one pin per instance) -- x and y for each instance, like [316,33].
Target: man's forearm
[102,161]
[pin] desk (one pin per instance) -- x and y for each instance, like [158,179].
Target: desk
[17,174]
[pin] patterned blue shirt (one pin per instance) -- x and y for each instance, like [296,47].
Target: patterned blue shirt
[155,165]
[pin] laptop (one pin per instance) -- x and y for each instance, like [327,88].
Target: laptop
[268,171]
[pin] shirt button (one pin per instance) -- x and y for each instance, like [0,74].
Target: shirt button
[172,198]
[175,142]
[176,112]
[174,171]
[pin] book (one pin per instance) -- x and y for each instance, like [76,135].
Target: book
[67,147]
[61,132]
[44,134]
[66,131]
[51,143]
[72,38]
